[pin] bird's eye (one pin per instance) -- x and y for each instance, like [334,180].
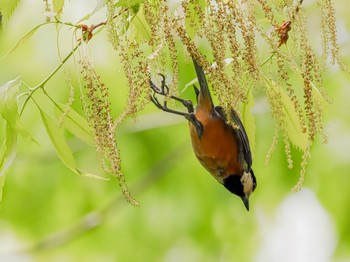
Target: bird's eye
[254,186]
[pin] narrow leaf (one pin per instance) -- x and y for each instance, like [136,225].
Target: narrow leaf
[9,107]
[58,6]
[75,123]
[81,172]
[191,83]
[58,140]
[142,30]
[7,155]
[7,8]
[99,5]
[23,39]
[9,112]
[8,150]
[8,101]
[56,135]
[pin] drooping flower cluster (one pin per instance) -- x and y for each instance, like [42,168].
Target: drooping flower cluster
[254,46]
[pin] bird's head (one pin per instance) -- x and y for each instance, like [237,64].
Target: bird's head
[242,186]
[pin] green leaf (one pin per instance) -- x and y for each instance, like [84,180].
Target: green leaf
[191,83]
[141,28]
[7,154]
[291,119]
[98,6]
[23,39]
[9,107]
[75,123]
[7,8]
[8,101]
[58,140]
[248,121]
[58,6]
[56,135]
[129,3]
[9,112]
[8,150]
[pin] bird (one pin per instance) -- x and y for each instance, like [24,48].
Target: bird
[221,148]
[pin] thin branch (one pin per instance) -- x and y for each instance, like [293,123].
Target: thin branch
[42,84]
[85,29]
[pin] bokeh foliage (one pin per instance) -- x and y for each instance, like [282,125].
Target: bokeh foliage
[82,110]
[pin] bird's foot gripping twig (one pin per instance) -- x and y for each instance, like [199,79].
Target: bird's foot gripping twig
[163,90]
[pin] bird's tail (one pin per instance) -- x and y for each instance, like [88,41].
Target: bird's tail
[204,100]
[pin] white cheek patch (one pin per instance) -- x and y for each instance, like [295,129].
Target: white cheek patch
[247,182]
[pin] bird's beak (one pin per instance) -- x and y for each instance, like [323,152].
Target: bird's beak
[246,202]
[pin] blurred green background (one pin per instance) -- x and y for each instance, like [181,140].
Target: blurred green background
[50,214]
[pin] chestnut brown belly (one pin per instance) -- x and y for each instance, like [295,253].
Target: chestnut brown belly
[217,149]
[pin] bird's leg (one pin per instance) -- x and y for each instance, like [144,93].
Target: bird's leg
[189,116]
[165,108]
[164,91]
